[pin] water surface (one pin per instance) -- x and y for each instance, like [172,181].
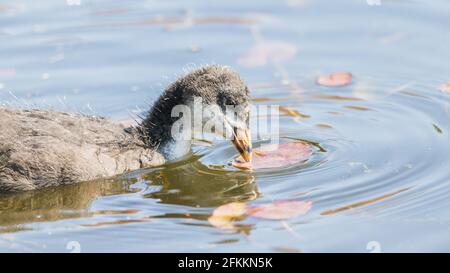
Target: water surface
[380,181]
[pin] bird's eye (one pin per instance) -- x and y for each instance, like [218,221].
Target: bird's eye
[224,101]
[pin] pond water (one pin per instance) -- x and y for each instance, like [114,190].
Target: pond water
[379,182]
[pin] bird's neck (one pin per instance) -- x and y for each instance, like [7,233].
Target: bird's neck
[158,139]
[156,127]
[175,149]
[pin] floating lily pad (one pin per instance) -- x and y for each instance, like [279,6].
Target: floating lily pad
[335,79]
[276,155]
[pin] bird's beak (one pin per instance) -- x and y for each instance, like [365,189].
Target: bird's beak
[243,143]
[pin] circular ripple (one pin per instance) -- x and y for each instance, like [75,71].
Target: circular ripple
[383,149]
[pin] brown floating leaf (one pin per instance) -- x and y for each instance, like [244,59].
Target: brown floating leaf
[224,215]
[280,210]
[445,87]
[335,79]
[276,155]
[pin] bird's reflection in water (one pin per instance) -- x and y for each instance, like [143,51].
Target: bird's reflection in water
[196,185]
[186,183]
[55,203]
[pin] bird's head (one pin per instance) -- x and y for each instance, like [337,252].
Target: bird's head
[218,94]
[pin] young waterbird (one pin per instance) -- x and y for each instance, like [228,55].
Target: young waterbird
[41,148]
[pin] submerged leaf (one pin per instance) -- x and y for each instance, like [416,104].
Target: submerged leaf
[276,155]
[280,210]
[261,53]
[224,215]
[335,79]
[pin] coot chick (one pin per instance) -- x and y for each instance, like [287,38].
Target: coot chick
[42,148]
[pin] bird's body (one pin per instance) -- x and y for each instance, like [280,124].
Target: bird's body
[41,148]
